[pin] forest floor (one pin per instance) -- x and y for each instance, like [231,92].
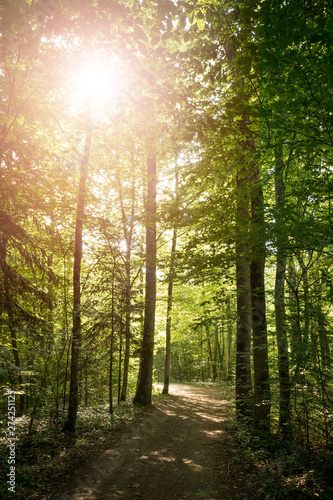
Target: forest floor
[180,448]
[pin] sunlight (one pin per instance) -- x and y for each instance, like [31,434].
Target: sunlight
[100,80]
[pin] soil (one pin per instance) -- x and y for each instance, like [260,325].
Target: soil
[182,448]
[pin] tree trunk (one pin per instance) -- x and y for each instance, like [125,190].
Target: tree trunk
[306,315]
[11,321]
[280,316]
[70,424]
[169,301]
[294,315]
[120,352]
[262,395]
[168,319]
[209,352]
[111,346]
[127,325]
[229,340]
[323,336]
[202,368]
[128,231]
[243,336]
[145,378]
[244,399]
[217,352]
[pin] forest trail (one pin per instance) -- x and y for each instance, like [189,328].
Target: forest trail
[182,449]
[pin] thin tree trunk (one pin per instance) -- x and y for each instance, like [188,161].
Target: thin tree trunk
[11,321]
[306,315]
[120,354]
[229,340]
[145,378]
[294,314]
[86,382]
[128,231]
[169,300]
[111,346]
[322,335]
[127,325]
[66,334]
[279,301]
[168,319]
[209,352]
[70,424]
[201,357]
[216,351]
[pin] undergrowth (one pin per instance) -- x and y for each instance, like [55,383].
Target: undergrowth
[278,470]
[51,454]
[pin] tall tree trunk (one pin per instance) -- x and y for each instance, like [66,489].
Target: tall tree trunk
[306,314]
[217,352]
[111,346]
[322,335]
[168,319]
[11,321]
[243,335]
[279,301]
[145,378]
[202,368]
[170,292]
[244,398]
[66,331]
[128,231]
[127,324]
[209,352]
[295,318]
[120,353]
[262,394]
[70,424]
[229,339]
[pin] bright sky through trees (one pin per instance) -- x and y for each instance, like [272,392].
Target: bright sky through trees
[99,79]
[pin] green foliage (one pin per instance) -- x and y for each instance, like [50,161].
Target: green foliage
[199,80]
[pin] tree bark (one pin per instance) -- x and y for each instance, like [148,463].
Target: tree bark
[11,321]
[229,340]
[209,352]
[70,424]
[217,352]
[111,346]
[306,310]
[323,335]
[170,296]
[143,393]
[243,335]
[168,319]
[128,231]
[120,352]
[279,301]
[261,393]
[244,397]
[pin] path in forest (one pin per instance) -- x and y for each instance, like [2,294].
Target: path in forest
[180,450]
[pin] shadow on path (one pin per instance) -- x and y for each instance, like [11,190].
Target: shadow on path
[181,450]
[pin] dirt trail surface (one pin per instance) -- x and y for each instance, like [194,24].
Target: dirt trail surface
[181,449]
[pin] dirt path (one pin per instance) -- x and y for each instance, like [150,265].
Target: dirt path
[181,450]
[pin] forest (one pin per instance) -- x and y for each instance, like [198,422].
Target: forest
[165,215]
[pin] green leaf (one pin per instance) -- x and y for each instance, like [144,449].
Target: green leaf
[201,24]
[4,374]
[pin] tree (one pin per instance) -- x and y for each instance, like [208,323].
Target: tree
[143,393]
[70,424]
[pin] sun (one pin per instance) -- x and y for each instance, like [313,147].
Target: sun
[99,79]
